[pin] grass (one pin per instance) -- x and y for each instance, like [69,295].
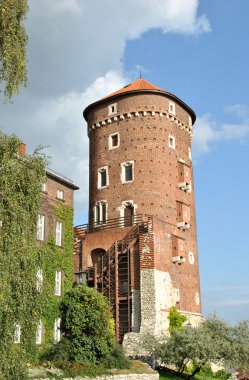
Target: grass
[169,376]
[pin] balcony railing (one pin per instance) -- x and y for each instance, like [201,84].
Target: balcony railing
[121,222]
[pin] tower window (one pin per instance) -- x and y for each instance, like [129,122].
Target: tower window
[113,141]
[189,153]
[172,142]
[191,257]
[103,178]
[172,108]
[100,213]
[112,109]
[127,171]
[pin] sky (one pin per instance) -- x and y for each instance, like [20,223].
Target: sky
[82,50]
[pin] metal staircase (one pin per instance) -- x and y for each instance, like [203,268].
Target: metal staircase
[113,278]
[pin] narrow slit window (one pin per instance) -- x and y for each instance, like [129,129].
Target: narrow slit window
[172,142]
[127,171]
[103,178]
[113,141]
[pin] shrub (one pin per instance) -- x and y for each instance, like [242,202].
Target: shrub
[176,320]
[117,359]
[87,325]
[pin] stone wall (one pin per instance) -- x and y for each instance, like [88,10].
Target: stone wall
[132,376]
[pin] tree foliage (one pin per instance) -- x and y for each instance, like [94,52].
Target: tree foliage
[87,323]
[176,320]
[213,341]
[13,42]
[20,185]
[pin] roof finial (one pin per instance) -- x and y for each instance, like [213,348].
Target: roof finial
[140,71]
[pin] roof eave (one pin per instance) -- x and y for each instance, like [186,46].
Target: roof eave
[115,96]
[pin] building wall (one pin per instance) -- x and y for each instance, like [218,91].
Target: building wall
[54,258]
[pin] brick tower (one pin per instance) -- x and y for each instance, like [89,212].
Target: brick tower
[139,247]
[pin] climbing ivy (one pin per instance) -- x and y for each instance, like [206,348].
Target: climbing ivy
[20,184]
[52,259]
[13,42]
[176,320]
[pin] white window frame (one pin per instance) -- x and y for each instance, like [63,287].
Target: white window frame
[197,298]
[57,290]
[172,108]
[100,170]
[189,153]
[112,109]
[110,146]
[191,257]
[44,187]
[58,233]
[38,337]
[101,220]
[17,333]
[40,235]
[57,330]
[60,194]
[39,280]
[123,166]
[172,142]
[122,208]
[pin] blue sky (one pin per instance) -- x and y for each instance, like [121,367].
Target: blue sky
[198,51]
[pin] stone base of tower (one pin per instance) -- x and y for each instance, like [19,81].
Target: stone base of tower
[152,303]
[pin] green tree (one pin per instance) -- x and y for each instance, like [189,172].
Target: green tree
[87,324]
[13,42]
[213,341]
[20,185]
[176,320]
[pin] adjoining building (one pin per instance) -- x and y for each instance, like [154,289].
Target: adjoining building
[139,247]
[54,242]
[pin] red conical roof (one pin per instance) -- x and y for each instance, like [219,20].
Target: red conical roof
[140,85]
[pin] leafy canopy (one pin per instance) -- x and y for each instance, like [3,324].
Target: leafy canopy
[13,42]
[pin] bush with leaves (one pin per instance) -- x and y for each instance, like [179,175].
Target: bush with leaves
[87,324]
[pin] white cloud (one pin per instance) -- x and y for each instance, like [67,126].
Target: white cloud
[63,6]
[208,132]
